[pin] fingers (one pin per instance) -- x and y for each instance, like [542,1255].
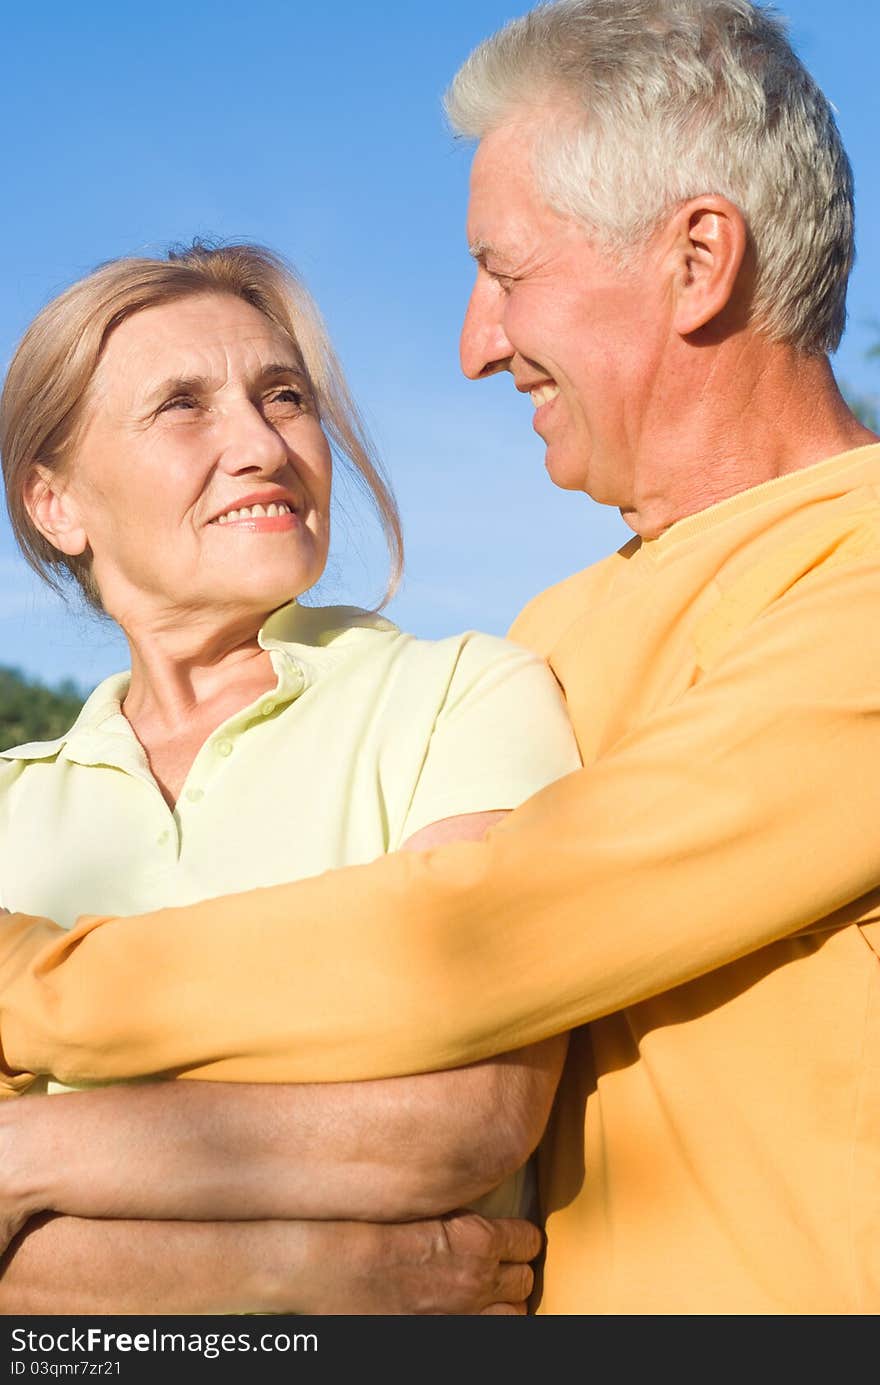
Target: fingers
[485,1263]
[515,1239]
[514,1283]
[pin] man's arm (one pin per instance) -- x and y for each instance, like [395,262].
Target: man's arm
[458,1265]
[742,813]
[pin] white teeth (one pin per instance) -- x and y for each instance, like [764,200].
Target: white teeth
[270,511]
[543,394]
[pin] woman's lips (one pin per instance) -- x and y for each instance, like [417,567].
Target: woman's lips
[273,517]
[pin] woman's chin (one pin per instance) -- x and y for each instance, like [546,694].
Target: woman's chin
[269,581]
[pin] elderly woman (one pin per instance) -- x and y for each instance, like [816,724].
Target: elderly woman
[167,435]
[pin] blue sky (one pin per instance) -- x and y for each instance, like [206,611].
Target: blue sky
[318,131]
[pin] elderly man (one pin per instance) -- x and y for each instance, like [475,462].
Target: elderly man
[661,217]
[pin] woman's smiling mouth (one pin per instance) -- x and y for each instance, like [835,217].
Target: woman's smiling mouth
[250,514]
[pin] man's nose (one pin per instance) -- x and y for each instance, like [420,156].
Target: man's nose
[484,346]
[251,444]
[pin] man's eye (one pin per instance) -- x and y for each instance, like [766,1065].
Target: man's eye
[180,401]
[504,281]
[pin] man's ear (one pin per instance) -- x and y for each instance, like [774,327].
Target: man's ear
[711,241]
[53,511]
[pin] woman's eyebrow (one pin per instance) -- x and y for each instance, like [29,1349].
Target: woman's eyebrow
[203,384]
[279,368]
[178,384]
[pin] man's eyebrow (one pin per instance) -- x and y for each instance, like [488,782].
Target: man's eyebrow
[483,250]
[479,249]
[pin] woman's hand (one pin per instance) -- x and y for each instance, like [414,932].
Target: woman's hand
[460,1264]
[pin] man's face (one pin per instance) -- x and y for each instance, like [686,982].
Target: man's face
[581,335]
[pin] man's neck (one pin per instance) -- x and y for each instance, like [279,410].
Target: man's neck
[757,414]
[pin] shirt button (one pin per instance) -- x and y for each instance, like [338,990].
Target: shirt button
[224,748]
[195,795]
[164,838]
[267,709]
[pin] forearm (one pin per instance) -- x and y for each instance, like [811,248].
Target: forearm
[67,1265]
[394,1150]
[456,1265]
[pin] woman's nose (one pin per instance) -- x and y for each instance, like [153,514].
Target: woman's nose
[484,347]
[252,444]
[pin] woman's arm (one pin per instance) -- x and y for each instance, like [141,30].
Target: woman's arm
[390,1150]
[460,1265]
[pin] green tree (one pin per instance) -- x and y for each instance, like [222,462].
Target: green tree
[31,711]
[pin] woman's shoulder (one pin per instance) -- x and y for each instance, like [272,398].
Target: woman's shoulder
[472,668]
[349,631]
[14,758]
[475,651]
[351,644]
[101,703]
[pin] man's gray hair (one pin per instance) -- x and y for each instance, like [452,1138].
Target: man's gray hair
[639,105]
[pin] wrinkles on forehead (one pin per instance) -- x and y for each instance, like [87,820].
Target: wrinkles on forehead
[149,358]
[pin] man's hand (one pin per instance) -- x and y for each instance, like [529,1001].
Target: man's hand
[460,1264]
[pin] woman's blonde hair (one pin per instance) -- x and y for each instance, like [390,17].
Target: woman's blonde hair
[47,384]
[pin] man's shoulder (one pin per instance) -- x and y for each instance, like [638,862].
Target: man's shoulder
[545,618]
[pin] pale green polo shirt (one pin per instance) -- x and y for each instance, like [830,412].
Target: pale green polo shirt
[369,735]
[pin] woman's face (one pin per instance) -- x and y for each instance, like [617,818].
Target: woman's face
[201,482]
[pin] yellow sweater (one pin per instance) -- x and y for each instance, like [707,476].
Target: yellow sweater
[704,895]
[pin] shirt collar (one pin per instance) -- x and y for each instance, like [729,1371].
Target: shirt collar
[304,643]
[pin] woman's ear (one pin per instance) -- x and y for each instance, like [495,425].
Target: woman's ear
[711,243]
[54,511]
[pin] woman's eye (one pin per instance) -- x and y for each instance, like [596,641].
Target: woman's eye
[287,398]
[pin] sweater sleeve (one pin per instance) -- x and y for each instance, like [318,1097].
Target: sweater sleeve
[744,812]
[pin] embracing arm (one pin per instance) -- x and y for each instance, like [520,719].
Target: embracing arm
[691,843]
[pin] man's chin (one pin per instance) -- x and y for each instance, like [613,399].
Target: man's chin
[565,472]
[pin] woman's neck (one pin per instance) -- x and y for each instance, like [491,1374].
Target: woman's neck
[184,683]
